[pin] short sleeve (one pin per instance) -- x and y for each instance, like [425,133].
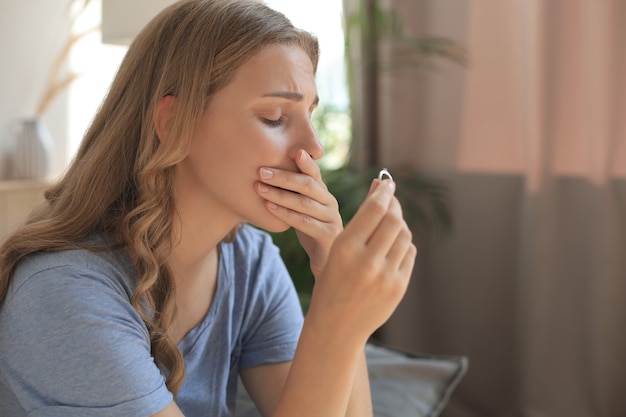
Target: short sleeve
[72,345]
[274,318]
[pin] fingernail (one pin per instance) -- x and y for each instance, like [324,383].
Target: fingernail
[263,188]
[266,173]
[271,205]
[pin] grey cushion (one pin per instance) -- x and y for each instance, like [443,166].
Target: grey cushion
[403,384]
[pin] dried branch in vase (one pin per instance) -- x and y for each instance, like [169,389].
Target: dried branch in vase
[57,80]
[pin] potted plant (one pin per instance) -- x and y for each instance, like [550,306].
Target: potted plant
[425,199]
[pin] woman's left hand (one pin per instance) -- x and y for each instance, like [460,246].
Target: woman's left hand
[302,200]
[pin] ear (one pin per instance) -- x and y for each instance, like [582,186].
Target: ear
[162,116]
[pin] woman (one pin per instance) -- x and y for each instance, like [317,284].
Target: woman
[138,289]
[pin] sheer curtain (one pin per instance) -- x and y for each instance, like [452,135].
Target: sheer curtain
[531,138]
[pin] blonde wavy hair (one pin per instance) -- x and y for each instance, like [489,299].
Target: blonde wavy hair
[121,180]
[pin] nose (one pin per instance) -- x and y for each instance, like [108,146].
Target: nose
[315,148]
[309,141]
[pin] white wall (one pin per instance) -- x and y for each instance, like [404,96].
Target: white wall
[31,34]
[323,18]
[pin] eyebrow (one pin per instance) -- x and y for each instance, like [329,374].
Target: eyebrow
[291,95]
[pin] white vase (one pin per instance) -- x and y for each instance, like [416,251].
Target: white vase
[33,145]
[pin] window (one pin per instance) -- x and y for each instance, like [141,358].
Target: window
[98,63]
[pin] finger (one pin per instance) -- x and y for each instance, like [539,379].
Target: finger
[297,183]
[399,248]
[297,202]
[375,183]
[305,223]
[373,186]
[371,212]
[301,212]
[386,234]
[307,165]
[288,198]
[406,267]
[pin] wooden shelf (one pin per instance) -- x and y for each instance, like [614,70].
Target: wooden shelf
[11,185]
[17,199]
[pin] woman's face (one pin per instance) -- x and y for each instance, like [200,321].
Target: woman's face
[261,119]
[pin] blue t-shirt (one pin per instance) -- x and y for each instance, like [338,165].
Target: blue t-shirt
[71,344]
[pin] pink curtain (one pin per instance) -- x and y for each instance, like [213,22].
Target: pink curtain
[531,137]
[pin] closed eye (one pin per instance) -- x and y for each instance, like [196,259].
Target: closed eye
[273,123]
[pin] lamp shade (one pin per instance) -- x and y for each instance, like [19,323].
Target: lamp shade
[122,20]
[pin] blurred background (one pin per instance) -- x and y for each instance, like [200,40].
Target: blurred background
[502,122]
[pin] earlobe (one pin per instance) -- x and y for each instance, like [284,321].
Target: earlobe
[162,116]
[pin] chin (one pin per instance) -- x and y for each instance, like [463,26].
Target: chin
[284,228]
[275,226]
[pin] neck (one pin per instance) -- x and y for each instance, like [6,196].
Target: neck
[196,239]
[200,222]
[193,262]
[194,270]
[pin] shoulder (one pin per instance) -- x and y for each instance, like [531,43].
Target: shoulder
[69,313]
[73,270]
[72,299]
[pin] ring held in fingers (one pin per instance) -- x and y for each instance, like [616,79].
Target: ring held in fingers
[383,172]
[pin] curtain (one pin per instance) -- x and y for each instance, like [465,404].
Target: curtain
[530,137]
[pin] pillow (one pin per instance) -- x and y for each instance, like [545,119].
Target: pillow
[402,383]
